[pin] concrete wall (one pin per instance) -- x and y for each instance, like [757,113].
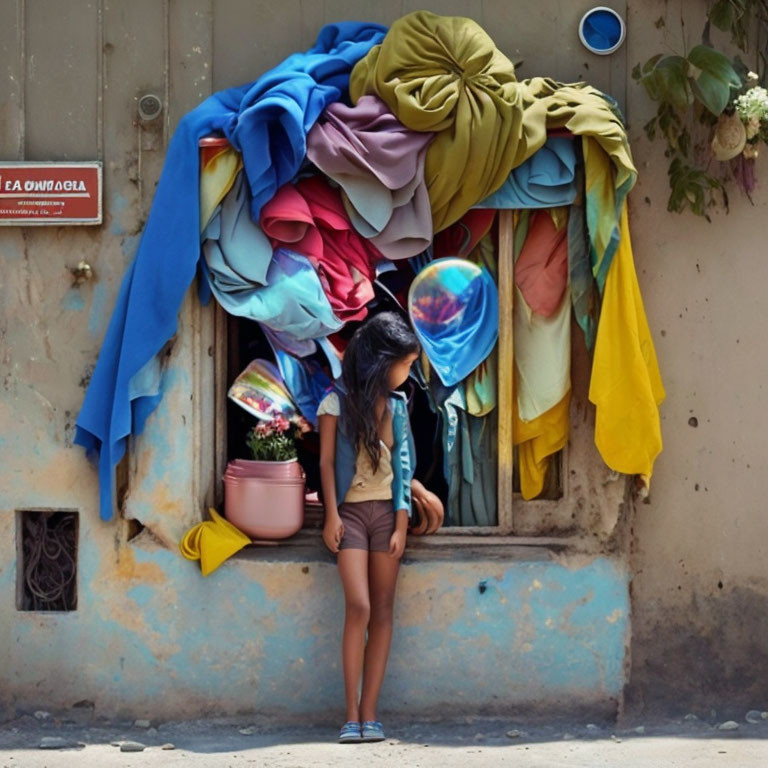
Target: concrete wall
[700,548]
[551,630]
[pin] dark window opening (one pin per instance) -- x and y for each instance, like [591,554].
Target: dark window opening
[47,560]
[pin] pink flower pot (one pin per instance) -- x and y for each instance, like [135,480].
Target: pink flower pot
[274,469]
[265,507]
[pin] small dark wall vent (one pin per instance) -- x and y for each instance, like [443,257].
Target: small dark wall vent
[46,573]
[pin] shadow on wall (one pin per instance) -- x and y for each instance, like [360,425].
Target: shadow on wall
[710,654]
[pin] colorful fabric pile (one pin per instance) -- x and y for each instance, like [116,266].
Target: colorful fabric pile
[365,162]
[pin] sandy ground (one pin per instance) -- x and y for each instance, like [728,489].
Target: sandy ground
[238,743]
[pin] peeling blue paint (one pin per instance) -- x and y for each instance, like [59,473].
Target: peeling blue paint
[73,301]
[540,633]
[96,316]
[141,595]
[117,205]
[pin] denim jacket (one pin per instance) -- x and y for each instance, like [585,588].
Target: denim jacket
[403,453]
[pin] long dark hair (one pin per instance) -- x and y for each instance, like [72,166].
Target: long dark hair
[378,343]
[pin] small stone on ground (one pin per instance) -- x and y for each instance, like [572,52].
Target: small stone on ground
[132,746]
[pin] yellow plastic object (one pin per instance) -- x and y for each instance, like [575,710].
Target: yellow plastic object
[626,383]
[212,542]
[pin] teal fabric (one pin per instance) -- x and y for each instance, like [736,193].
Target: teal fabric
[584,296]
[237,252]
[547,179]
[469,459]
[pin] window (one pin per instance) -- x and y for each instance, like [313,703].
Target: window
[580,497]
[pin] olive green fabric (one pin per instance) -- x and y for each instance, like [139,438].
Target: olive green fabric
[444,74]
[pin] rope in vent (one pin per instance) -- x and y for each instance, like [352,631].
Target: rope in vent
[48,546]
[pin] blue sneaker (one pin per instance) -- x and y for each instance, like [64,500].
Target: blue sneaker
[372,730]
[350,733]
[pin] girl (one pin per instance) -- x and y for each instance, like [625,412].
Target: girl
[366,467]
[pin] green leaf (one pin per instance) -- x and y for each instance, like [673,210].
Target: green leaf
[712,93]
[650,129]
[722,15]
[716,76]
[651,63]
[691,188]
[668,81]
[714,63]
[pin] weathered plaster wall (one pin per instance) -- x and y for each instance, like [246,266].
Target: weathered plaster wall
[700,559]
[155,639]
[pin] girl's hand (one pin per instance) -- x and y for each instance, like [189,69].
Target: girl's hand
[397,543]
[333,532]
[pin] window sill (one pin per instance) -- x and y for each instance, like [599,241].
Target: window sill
[307,546]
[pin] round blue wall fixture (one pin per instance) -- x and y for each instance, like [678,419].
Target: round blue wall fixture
[602,30]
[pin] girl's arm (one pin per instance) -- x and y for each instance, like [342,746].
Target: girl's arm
[333,529]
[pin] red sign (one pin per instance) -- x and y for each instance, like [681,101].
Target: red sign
[50,193]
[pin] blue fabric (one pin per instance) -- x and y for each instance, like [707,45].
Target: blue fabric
[237,252]
[403,453]
[291,301]
[267,121]
[547,179]
[306,381]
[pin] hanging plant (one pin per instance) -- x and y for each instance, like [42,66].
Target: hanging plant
[711,111]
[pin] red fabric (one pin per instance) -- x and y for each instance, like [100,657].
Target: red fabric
[452,241]
[541,270]
[309,218]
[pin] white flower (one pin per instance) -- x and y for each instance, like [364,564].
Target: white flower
[753,104]
[752,75]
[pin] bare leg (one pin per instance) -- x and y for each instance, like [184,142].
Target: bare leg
[382,576]
[353,569]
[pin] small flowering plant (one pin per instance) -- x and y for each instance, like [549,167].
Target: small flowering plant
[752,109]
[275,440]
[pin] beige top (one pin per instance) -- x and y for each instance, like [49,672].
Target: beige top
[366,485]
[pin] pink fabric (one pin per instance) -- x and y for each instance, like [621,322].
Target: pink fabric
[309,218]
[379,164]
[541,270]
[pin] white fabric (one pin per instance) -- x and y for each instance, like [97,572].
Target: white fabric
[329,405]
[542,356]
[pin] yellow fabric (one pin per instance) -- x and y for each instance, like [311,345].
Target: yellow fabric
[212,542]
[444,74]
[480,387]
[626,385]
[216,179]
[536,441]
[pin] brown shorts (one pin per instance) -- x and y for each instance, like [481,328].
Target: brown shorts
[367,525]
